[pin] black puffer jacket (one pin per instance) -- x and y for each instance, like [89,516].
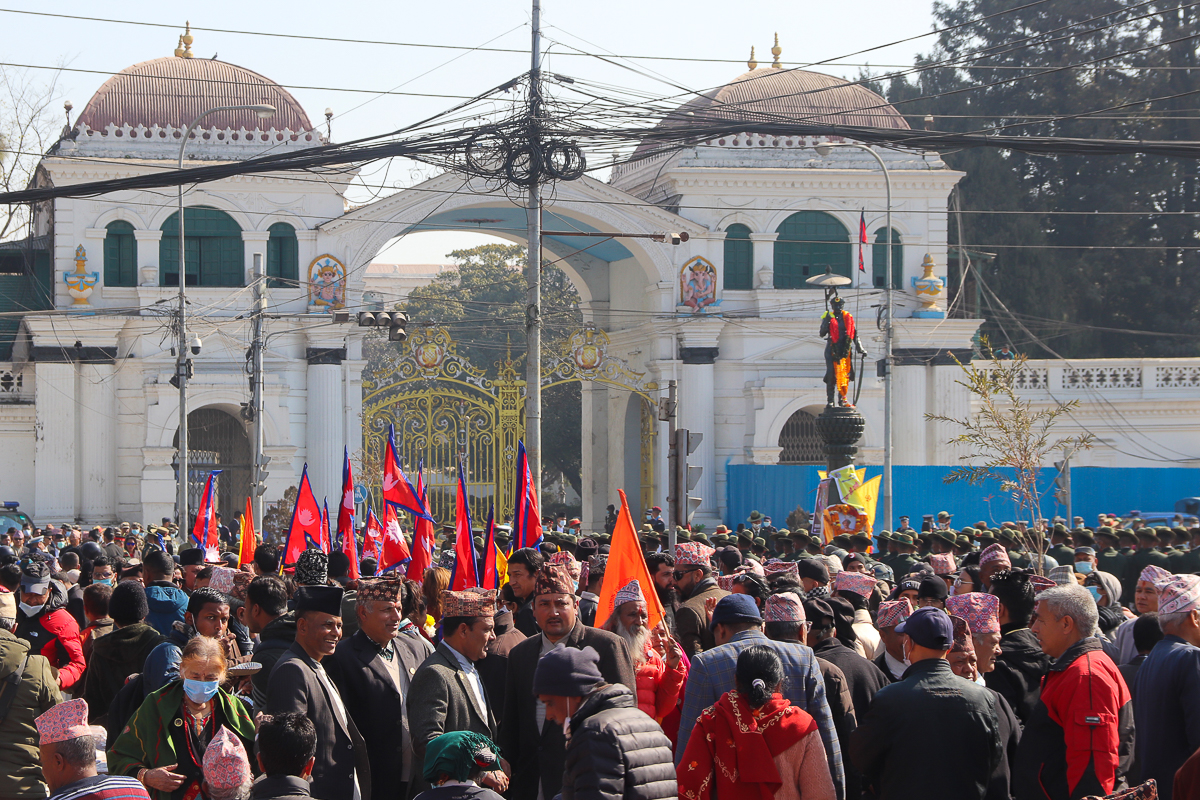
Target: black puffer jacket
[616,751]
[1017,674]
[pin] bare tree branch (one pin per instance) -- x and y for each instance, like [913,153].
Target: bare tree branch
[29,125]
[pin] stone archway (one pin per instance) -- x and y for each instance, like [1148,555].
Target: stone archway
[217,440]
[799,440]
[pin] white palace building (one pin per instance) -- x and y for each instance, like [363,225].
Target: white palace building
[89,420]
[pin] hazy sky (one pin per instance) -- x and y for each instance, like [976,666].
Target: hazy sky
[809,32]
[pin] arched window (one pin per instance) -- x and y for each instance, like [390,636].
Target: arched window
[215,254]
[879,259]
[808,242]
[120,255]
[739,258]
[799,439]
[283,267]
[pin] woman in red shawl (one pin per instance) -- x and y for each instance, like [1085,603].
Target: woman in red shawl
[755,744]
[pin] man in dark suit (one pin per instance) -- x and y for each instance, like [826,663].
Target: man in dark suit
[372,669]
[300,684]
[450,692]
[534,746]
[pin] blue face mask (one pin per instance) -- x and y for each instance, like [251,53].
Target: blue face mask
[103,581]
[1095,590]
[199,691]
[1083,567]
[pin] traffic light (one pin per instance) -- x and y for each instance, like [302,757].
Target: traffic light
[394,321]
[188,371]
[263,460]
[688,475]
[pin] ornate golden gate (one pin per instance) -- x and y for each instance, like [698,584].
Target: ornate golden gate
[443,408]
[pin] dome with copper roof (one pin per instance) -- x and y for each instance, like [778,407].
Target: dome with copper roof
[171,92]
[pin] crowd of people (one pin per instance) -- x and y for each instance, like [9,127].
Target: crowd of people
[1001,663]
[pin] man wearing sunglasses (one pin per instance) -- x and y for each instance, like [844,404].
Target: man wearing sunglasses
[696,585]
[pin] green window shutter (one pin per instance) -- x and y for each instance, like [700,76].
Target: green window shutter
[215,253]
[810,241]
[879,259]
[283,268]
[739,258]
[120,255]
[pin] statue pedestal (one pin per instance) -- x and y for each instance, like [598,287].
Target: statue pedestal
[840,428]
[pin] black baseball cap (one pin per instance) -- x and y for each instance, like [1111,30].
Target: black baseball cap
[929,627]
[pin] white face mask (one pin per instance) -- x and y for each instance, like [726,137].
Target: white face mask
[31,610]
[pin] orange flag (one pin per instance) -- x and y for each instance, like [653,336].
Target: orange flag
[626,563]
[249,541]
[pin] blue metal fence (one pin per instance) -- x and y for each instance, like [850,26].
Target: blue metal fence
[776,490]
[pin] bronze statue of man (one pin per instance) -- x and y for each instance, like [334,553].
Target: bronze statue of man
[841,341]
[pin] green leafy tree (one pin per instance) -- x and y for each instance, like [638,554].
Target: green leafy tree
[482,303]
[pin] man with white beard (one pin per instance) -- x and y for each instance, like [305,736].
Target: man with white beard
[657,658]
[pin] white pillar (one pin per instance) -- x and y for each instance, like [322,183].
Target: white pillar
[97,441]
[147,256]
[254,242]
[764,259]
[698,353]
[324,430]
[54,453]
[595,458]
[909,427]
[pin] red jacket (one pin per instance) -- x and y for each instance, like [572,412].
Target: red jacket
[54,633]
[1079,738]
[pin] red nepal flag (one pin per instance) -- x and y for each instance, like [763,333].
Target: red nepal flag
[205,532]
[396,487]
[305,529]
[345,517]
[373,538]
[862,239]
[490,578]
[527,522]
[466,568]
[395,549]
[326,541]
[422,553]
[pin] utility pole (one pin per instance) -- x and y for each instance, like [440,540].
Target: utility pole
[533,271]
[257,482]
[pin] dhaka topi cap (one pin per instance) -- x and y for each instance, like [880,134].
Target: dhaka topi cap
[553,579]
[1062,576]
[457,754]
[981,611]
[933,586]
[962,636]
[1179,593]
[778,567]
[312,568]
[629,593]
[222,579]
[725,582]
[567,672]
[735,608]
[226,765]
[192,557]
[63,722]
[241,583]
[565,559]
[693,554]
[35,576]
[385,590]
[858,582]
[322,599]
[1040,584]
[995,553]
[128,604]
[942,563]
[893,612]
[474,602]
[929,627]
[814,569]
[1150,574]
[784,607]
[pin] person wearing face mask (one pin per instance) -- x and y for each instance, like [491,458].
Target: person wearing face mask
[163,744]
[44,622]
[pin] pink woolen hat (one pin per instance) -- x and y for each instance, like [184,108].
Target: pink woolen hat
[226,766]
[776,567]
[1155,575]
[981,611]
[995,552]
[893,612]
[693,554]
[784,607]
[1179,593]
[858,582]
[629,593]
[63,722]
[942,563]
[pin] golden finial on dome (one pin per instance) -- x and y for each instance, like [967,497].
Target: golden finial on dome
[753,62]
[776,51]
[179,47]
[187,40]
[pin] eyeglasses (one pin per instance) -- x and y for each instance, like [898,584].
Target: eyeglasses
[679,573]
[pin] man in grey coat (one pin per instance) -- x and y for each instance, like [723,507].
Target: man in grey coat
[449,689]
[299,683]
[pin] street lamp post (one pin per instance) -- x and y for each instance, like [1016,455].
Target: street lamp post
[824,149]
[181,361]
